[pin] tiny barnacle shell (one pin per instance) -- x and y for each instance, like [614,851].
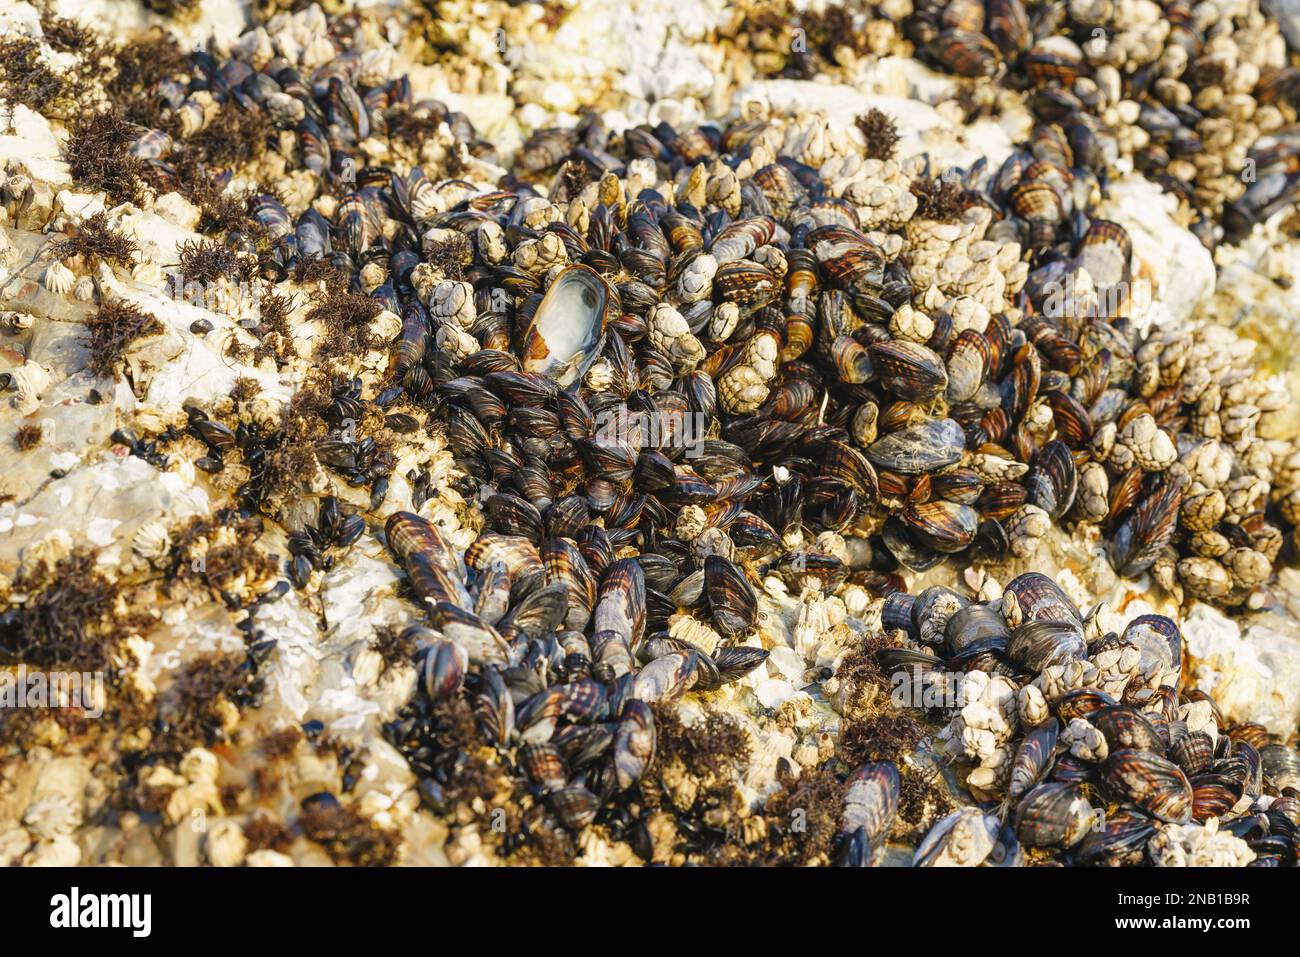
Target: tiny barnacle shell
[226,845]
[148,273]
[84,290]
[265,411]
[52,815]
[387,325]
[50,550]
[19,320]
[59,278]
[151,541]
[29,381]
[372,276]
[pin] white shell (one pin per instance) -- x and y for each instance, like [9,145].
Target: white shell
[151,540]
[59,279]
[148,273]
[568,328]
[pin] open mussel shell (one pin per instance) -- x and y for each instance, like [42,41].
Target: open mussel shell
[634,743]
[1143,535]
[906,547]
[538,612]
[621,605]
[855,850]
[666,677]
[966,53]
[750,531]
[965,838]
[1007,851]
[732,602]
[959,485]
[845,463]
[568,329]
[574,805]
[1081,703]
[544,765]
[565,565]
[513,515]
[852,360]
[748,284]
[991,542]
[1213,795]
[1073,421]
[480,640]
[896,612]
[910,662]
[1150,781]
[494,707]
[733,663]
[609,459]
[935,605]
[968,363]
[1159,640]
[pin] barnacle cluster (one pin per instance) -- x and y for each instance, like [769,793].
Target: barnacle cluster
[621,463]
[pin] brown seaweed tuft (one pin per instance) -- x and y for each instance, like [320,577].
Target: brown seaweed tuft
[113,329]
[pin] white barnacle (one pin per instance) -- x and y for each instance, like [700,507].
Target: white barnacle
[53,815]
[696,280]
[453,302]
[59,279]
[151,541]
[457,342]
[1198,845]
[962,839]
[725,318]
[691,521]
[723,189]
[225,843]
[1084,741]
[1152,446]
[537,256]
[1026,528]
[669,333]
[491,241]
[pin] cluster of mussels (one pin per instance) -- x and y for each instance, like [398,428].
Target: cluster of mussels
[1201,97]
[942,377]
[1088,732]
